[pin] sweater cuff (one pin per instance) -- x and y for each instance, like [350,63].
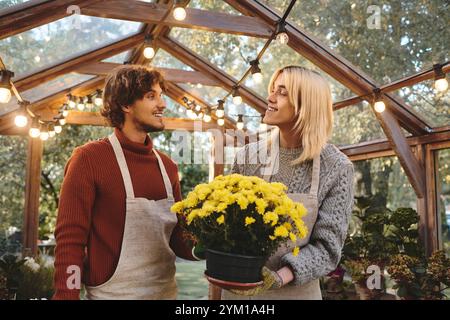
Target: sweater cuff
[301,274]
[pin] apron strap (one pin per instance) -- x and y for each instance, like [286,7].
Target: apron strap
[165,176]
[315,176]
[122,165]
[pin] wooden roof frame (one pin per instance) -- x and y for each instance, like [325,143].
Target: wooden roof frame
[258,21]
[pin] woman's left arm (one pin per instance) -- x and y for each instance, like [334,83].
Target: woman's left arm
[322,254]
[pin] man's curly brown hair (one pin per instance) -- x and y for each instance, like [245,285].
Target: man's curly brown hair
[124,86]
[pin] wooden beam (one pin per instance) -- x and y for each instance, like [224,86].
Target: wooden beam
[396,85]
[28,82]
[53,101]
[34,13]
[172,75]
[373,149]
[190,58]
[333,64]
[152,13]
[32,187]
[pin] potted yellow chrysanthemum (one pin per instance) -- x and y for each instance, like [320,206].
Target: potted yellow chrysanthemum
[241,221]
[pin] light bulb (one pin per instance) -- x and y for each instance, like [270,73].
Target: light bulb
[51,134]
[37,59]
[34,132]
[179,13]
[198,107]
[20,120]
[44,135]
[72,104]
[80,105]
[200,115]
[220,113]
[257,77]
[149,52]
[379,106]
[282,38]
[220,121]
[441,84]
[58,128]
[62,121]
[98,101]
[89,104]
[65,113]
[240,125]
[237,100]
[207,118]
[5,95]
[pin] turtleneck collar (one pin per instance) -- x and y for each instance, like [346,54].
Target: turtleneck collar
[297,150]
[136,147]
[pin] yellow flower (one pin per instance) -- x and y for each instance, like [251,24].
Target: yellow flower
[261,206]
[296,251]
[222,206]
[177,207]
[281,231]
[270,217]
[245,184]
[293,237]
[242,201]
[221,219]
[249,220]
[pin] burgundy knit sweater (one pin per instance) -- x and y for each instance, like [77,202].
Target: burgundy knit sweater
[91,214]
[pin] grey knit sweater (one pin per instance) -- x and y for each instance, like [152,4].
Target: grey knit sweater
[335,197]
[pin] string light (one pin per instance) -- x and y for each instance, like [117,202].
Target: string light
[44,134]
[80,105]
[281,33]
[35,131]
[179,13]
[149,51]
[220,111]
[21,119]
[237,99]
[207,117]
[5,85]
[71,101]
[89,103]
[98,98]
[240,122]
[51,130]
[379,103]
[256,71]
[440,82]
[58,128]
[64,110]
[221,121]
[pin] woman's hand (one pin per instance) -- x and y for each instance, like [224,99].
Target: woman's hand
[271,280]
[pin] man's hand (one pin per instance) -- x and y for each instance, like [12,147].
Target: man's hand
[271,280]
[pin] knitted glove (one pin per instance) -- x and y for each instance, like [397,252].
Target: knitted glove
[271,280]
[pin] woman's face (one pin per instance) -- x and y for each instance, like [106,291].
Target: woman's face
[280,112]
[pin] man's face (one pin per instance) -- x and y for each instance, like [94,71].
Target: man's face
[146,114]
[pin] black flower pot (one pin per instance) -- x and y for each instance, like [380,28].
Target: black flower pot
[234,267]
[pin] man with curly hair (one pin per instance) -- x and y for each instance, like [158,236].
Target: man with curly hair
[114,229]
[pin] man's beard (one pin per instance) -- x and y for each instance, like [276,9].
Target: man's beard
[146,127]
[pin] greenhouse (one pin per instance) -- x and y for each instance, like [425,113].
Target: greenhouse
[386,64]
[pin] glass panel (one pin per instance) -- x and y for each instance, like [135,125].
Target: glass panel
[228,52]
[443,196]
[277,56]
[13,155]
[163,59]
[61,40]
[174,109]
[207,93]
[385,181]
[433,106]
[387,41]
[213,5]
[46,89]
[10,3]
[354,124]
[118,58]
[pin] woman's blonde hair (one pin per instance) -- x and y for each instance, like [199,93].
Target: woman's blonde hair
[310,94]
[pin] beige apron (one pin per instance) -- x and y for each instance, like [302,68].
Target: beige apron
[307,291]
[146,267]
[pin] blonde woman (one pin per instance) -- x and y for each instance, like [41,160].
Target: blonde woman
[316,173]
